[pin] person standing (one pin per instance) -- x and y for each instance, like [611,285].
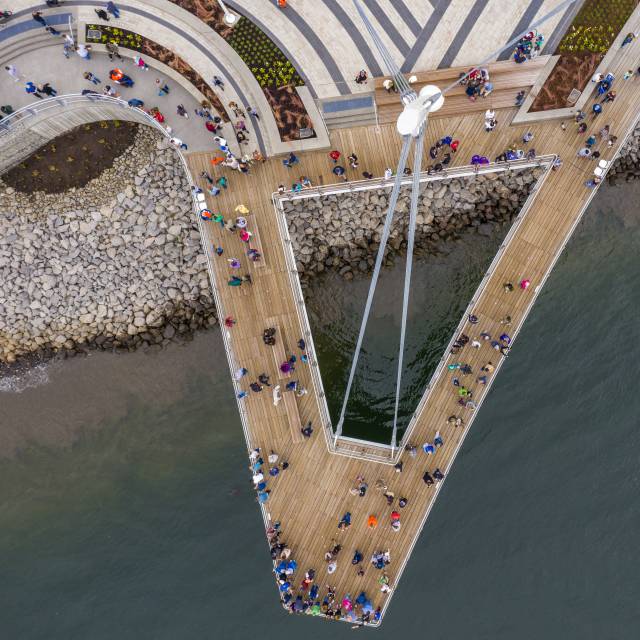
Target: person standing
[334,155]
[102,14]
[112,50]
[362,77]
[83,51]
[140,63]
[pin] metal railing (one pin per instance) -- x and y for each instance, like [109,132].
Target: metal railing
[354,447]
[543,161]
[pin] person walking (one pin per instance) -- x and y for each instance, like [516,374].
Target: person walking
[102,14]
[48,90]
[37,16]
[334,155]
[181,111]
[163,88]
[87,75]
[113,10]
[217,82]
[178,143]
[527,137]
[52,30]
[31,89]
[13,71]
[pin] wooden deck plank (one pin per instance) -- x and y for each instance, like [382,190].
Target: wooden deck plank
[313,493]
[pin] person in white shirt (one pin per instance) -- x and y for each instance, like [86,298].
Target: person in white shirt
[83,51]
[12,70]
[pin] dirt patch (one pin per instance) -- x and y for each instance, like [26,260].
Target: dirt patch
[570,72]
[290,113]
[587,40]
[73,159]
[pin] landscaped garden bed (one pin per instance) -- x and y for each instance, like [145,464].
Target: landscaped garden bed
[151,49]
[584,45]
[72,159]
[274,72]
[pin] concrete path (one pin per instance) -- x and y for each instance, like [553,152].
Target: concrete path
[66,76]
[419,34]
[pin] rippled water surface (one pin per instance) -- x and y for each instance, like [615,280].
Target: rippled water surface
[441,287]
[125,510]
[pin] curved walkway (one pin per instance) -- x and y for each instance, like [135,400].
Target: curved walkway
[235,85]
[50,65]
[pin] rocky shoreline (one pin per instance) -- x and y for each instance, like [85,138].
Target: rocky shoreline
[117,265]
[627,167]
[342,233]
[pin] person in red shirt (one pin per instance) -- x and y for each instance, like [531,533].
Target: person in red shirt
[334,155]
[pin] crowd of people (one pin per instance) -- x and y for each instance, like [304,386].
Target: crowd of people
[386,505]
[529,46]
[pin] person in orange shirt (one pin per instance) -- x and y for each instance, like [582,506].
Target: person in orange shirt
[372,522]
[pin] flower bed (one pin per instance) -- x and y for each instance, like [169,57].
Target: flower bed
[589,37]
[274,72]
[151,49]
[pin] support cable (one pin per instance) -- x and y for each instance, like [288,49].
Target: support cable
[393,201]
[398,78]
[413,212]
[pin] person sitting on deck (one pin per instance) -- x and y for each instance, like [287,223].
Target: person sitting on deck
[345,521]
[307,431]
[438,475]
[428,480]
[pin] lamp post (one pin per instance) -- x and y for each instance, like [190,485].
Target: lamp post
[230,19]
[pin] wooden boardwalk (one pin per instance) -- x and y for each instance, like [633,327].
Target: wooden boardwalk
[507,78]
[310,497]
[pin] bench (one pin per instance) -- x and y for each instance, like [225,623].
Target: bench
[507,77]
[279,353]
[254,241]
[293,415]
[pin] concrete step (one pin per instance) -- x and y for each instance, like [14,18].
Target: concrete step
[358,118]
[23,43]
[348,111]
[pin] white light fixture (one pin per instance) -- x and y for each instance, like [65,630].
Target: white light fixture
[230,19]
